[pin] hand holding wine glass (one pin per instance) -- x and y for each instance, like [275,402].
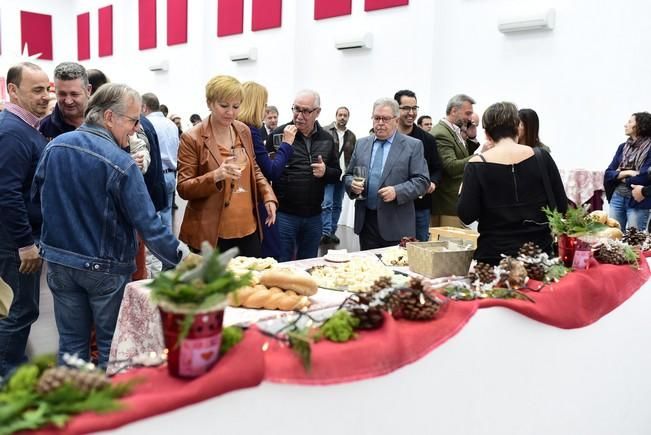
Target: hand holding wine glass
[240,159]
[360,174]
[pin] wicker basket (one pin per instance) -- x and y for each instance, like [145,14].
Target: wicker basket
[436,259]
[440,234]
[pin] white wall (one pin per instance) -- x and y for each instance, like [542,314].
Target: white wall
[584,79]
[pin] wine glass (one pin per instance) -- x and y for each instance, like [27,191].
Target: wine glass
[359,174]
[240,160]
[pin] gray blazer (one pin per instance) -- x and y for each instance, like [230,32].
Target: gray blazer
[405,169]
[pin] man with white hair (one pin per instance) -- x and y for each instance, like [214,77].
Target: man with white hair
[301,186]
[397,175]
[91,249]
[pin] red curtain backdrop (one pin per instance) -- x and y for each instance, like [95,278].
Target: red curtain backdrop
[331,8]
[36,32]
[230,17]
[177,22]
[146,24]
[105,26]
[372,5]
[83,36]
[267,14]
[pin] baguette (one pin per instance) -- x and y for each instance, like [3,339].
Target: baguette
[303,285]
[268,298]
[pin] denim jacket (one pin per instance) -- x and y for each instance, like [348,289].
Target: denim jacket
[94,199]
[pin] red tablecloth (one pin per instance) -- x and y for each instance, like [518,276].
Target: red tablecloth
[242,367]
[373,353]
[581,297]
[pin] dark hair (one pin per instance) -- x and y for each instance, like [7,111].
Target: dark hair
[96,78]
[501,121]
[642,124]
[194,117]
[420,119]
[529,119]
[404,93]
[151,102]
[342,108]
[15,73]
[163,108]
[66,71]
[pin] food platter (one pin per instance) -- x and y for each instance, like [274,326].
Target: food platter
[357,275]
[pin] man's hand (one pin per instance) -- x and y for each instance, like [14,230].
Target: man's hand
[139,158]
[30,260]
[431,188]
[637,192]
[318,168]
[387,194]
[357,187]
[271,213]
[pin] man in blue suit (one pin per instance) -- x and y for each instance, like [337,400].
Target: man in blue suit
[397,175]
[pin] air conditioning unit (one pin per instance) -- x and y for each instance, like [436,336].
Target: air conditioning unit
[363,41]
[542,21]
[243,56]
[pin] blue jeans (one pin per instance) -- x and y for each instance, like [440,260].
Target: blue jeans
[633,217]
[298,235]
[422,225]
[170,186]
[14,330]
[81,298]
[331,207]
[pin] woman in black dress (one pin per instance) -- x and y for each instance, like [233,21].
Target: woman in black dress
[503,190]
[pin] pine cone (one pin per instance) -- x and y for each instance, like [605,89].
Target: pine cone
[634,237]
[514,274]
[55,377]
[611,254]
[535,271]
[483,272]
[412,305]
[380,283]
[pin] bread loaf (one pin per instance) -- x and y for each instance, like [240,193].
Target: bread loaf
[303,285]
[599,216]
[613,223]
[269,298]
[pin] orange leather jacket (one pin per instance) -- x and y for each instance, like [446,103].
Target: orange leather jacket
[198,156]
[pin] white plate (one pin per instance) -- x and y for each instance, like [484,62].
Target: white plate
[336,258]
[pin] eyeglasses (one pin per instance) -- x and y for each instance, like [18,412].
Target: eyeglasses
[384,119]
[409,108]
[305,112]
[130,118]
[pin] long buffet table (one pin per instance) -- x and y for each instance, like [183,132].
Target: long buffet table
[502,372]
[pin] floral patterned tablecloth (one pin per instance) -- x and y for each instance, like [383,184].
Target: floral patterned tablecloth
[582,184]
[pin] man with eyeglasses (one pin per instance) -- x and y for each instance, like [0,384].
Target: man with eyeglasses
[397,175]
[407,102]
[454,152]
[21,146]
[94,199]
[301,187]
[168,141]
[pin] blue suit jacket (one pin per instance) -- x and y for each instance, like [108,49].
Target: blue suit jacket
[405,169]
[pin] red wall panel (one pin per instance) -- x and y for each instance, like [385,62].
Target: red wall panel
[105,27]
[83,36]
[372,5]
[36,32]
[230,17]
[266,14]
[146,24]
[177,22]
[331,8]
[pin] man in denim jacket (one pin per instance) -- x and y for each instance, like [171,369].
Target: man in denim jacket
[94,198]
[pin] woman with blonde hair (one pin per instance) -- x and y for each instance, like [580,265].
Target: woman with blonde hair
[252,113]
[219,177]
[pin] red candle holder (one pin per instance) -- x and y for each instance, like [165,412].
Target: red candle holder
[566,249]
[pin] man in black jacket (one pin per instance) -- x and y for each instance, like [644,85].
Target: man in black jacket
[408,112]
[300,188]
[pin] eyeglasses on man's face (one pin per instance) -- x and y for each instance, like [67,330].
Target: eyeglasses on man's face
[383,119]
[409,108]
[135,121]
[303,110]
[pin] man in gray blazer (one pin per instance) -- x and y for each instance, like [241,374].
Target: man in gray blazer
[397,174]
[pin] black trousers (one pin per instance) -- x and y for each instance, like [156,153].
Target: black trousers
[249,246]
[369,237]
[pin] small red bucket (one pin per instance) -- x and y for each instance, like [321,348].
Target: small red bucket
[199,351]
[566,249]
